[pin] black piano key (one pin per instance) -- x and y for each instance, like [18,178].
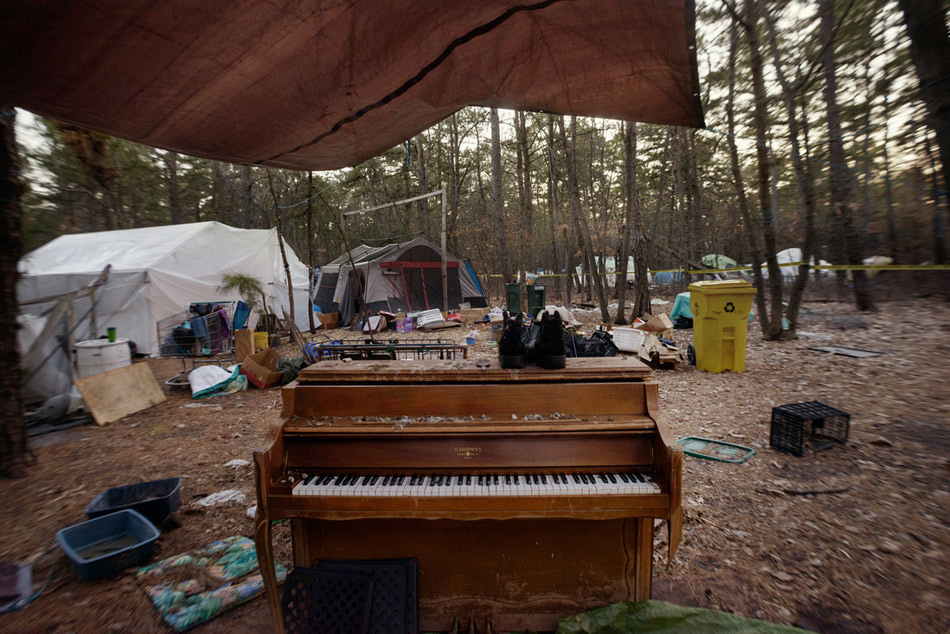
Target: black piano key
[447,481]
[481,481]
[613,480]
[339,480]
[468,480]
[432,481]
[508,480]
[460,480]
[488,480]
[496,479]
[637,476]
[365,481]
[535,479]
[623,477]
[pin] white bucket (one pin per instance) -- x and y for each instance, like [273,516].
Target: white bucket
[99,355]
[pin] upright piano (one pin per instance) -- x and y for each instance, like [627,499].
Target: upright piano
[524,496]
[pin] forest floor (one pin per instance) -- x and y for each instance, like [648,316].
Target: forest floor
[867,551]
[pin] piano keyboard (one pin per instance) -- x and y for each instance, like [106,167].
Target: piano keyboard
[501,485]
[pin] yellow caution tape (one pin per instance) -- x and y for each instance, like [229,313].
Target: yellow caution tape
[822,267]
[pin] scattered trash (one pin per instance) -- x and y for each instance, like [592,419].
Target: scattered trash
[715,449]
[251,512]
[228,495]
[237,462]
[857,353]
[210,380]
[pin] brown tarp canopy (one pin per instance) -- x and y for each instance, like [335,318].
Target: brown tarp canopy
[311,84]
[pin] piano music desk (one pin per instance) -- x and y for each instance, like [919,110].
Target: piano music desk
[523,556]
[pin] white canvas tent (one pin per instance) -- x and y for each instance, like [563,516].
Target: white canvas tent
[399,277]
[157,272]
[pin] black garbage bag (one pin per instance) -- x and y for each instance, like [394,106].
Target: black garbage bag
[598,345]
[683,323]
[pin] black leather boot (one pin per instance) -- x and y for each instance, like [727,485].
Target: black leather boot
[547,350]
[511,350]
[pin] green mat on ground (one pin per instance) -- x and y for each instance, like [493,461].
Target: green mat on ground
[659,616]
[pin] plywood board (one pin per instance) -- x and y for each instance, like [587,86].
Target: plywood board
[117,393]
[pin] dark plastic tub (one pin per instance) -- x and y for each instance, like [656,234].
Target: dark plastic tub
[156,500]
[105,545]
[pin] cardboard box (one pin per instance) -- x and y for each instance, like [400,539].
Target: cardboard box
[243,344]
[660,325]
[328,321]
[473,314]
[260,368]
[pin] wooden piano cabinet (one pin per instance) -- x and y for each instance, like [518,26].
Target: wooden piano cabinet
[522,563]
[520,574]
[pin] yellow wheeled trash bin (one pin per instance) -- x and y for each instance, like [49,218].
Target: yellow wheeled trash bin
[720,314]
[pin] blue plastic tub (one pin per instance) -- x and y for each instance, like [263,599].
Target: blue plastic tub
[156,500]
[108,544]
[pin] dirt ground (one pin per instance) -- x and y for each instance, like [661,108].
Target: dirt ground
[850,539]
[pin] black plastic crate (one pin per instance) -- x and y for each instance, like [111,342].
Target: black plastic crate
[395,604]
[155,500]
[813,425]
[324,602]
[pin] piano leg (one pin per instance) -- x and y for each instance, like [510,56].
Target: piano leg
[643,561]
[263,539]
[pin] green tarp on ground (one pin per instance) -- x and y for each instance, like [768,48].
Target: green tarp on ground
[659,616]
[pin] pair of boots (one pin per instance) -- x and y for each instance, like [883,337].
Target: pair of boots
[546,350]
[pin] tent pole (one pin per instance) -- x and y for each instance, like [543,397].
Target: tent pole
[405,288]
[445,290]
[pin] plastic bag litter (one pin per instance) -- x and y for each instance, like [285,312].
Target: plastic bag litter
[228,495]
[210,380]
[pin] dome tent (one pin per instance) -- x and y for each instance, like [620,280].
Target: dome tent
[398,277]
[156,272]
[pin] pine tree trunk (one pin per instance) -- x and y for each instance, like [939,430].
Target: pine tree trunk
[13,449]
[580,221]
[498,203]
[926,22]
[521,152]
[562,261]
[174,191]
[280,243]
[739,182]
[803,178]
[633,232]
[760,116]
[841,177]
